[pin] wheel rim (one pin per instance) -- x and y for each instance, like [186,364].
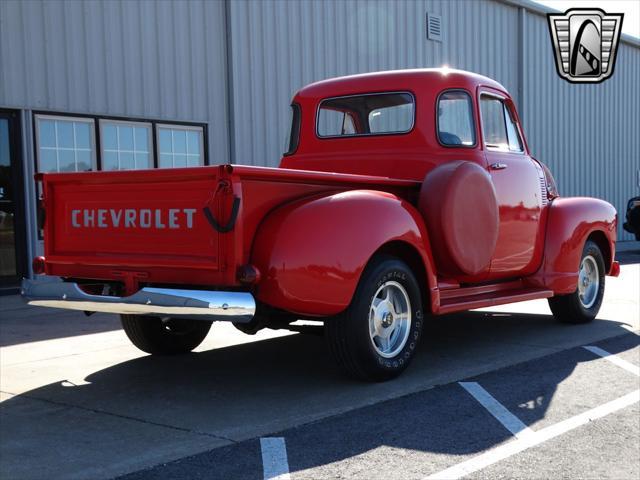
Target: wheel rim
[390,319]
[588,281]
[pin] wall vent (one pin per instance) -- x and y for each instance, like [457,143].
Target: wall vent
[434,27]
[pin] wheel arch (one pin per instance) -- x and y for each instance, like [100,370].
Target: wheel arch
[312,252]
[571,222]
[409,255]
[600,239]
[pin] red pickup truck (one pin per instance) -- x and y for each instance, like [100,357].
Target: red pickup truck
[402,195]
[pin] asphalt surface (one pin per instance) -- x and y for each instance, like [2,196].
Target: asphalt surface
[423,433]
[78,401]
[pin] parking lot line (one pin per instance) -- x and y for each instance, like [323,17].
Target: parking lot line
[509,449]
[275,465]
[499,411]
[628,366]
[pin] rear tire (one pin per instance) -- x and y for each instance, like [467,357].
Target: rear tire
[583,305]
[159,336]
[376,338]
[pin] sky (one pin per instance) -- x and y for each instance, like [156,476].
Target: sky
[630,8]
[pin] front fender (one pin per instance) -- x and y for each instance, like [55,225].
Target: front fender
[312,252]
[570,222]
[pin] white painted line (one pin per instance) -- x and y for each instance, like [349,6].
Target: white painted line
[516,446]
[275,464]
[495,408]
[628,366]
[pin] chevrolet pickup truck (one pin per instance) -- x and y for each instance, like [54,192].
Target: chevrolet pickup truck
[402,196]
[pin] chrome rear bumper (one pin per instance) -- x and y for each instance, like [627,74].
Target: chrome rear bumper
[238,307]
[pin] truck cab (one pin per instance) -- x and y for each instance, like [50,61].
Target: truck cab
[402,196]
[405,124]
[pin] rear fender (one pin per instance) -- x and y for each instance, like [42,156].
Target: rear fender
[571,221]
[312,252]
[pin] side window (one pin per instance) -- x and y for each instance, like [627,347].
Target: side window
[515,142]
[499,127]
[455,119]
[494,127]
[331,123]
[369,114]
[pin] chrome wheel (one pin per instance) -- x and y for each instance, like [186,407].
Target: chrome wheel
[588,281]
[390,319]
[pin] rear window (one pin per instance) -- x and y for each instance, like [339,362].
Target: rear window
[370,114]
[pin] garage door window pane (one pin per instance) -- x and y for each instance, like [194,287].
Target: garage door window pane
[180,146]
[65,144]
[125,145]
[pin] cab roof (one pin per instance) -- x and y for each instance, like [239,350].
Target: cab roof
[414,79]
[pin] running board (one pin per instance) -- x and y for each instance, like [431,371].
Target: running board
[468,302]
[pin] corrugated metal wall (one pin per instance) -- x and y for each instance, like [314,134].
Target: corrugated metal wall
[158,60]
[168,60]
[279,46]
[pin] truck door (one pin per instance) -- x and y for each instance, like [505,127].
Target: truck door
[518,189]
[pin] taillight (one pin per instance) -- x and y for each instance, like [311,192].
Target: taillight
[38,265]
[248,274]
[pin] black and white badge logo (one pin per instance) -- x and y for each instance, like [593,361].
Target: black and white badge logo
[585,41]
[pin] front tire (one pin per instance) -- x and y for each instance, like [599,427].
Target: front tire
[376,338]
[159,336]
[583,305]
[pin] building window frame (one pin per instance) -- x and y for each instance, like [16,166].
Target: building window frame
[98,141]
[95,164]
[188,128]
[102,122]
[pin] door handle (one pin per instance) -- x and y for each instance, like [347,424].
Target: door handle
[498,166]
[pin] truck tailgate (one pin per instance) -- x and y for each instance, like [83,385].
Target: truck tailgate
[134,219]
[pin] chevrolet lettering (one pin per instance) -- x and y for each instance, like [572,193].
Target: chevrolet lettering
[402,196]
[133,218]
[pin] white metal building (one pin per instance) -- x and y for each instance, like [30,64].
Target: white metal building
[139,84]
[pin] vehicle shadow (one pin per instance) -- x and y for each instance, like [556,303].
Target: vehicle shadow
[22,323]
[628,257]
[249,390]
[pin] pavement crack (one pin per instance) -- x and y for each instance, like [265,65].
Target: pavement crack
[119,415]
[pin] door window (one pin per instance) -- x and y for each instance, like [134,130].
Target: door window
[499,127]
[493,125]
